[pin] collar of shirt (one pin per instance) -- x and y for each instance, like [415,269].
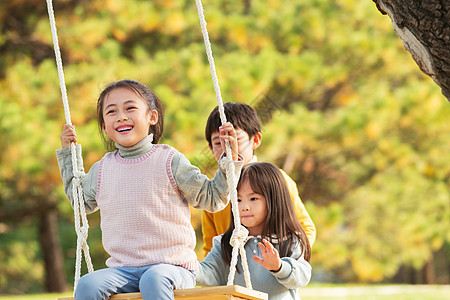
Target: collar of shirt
[258,238]
[137,150]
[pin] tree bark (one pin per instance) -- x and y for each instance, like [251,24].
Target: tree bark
[430,277]
[424,28]
[55,279]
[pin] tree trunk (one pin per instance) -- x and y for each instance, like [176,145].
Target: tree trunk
[424,28]
[55,280]
[429,271]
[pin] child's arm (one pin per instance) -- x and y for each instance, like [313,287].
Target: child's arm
[300,210]
[289,271]
[208,231]
[198,189]
[214,224]
[89,181]
[213,271]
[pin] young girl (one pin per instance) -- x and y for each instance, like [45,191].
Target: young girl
[143,191]
[277,242]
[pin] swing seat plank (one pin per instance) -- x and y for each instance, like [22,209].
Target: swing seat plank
[227,292]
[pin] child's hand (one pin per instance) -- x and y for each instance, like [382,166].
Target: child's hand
[228,133]
[271,259]
[68,135]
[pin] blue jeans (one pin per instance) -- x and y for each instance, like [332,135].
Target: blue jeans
[154,282]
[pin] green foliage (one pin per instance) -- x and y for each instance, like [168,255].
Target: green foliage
[19,257]
[345,111]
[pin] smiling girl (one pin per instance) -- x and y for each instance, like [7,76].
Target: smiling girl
[277,248]
[143,190]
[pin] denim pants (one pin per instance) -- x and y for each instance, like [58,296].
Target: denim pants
[154,282]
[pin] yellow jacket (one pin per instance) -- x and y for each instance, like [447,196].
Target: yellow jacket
[214,224]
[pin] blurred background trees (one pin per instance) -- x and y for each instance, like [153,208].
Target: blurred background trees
[345,111]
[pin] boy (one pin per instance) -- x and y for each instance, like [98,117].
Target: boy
[248,130]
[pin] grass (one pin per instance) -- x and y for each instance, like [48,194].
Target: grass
[327,292]
[36,297]
[376,292]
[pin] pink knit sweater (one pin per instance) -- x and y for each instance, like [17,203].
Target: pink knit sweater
[144,219]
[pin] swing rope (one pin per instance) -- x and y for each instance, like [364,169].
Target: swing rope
[240,233]
[81,222]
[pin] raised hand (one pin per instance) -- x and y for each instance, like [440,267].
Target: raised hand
[68,135]
[270,258]
[228,133]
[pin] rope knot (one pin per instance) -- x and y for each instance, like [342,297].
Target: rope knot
[76,182]
[77,178]
[78,174]
[225,162]
[82,232]
[238,237]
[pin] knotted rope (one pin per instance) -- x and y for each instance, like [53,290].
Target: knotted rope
[81,222]
[240,233]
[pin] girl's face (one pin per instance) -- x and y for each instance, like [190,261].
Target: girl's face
[252,208]
[127,117]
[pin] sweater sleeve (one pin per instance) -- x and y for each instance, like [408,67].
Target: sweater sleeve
[197,188]
[208,230]
[300,210]
[88,182]
[213,271]
[294,273]
[214,224]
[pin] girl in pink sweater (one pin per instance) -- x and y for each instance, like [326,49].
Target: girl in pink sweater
[143,190]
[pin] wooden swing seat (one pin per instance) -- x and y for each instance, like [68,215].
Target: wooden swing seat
[226,292]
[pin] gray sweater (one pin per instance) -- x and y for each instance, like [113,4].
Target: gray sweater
[281,285]
[196,188]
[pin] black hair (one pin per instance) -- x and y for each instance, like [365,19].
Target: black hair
[242,116]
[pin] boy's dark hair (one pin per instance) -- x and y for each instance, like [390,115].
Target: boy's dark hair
[242,116]
[146,94]
[281,221]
